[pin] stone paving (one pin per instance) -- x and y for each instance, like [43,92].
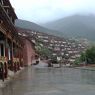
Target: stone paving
[52,81]
[11,76]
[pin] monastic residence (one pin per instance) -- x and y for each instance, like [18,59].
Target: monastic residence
[29,51]
[63,48]
[11,57]
[66,49]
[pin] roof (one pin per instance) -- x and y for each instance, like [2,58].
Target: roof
[12,9]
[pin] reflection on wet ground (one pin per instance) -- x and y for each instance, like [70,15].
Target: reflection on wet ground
[52,81]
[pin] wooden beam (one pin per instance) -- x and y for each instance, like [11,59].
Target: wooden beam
[2,30]
[6,6]
[2,2]
[1,21]
[8,35]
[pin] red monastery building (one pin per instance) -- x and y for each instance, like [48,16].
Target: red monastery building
[11,46]
[29,51]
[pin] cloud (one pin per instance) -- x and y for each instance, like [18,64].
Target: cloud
[47,10]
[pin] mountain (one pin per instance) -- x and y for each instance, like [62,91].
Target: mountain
[77,26]
[32,26]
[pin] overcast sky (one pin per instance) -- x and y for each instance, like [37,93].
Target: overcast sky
[41,11]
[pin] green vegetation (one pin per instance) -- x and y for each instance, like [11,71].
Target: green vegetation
[87,57]
[76,26]
[83,57]
[33,26]
[90,55]
[43,50]
[77,61]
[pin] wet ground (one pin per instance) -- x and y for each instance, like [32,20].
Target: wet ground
[52,81]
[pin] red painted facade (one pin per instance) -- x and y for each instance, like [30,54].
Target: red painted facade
[28,52]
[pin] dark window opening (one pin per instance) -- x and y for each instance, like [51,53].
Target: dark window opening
[2,50]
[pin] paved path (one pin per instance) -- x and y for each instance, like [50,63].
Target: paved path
[52,81]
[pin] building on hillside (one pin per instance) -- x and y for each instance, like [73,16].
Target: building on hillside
[66,49]
[10,44]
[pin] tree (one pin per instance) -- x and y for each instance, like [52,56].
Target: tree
[88,56]
[43,50]
[77,61]
[83,57]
